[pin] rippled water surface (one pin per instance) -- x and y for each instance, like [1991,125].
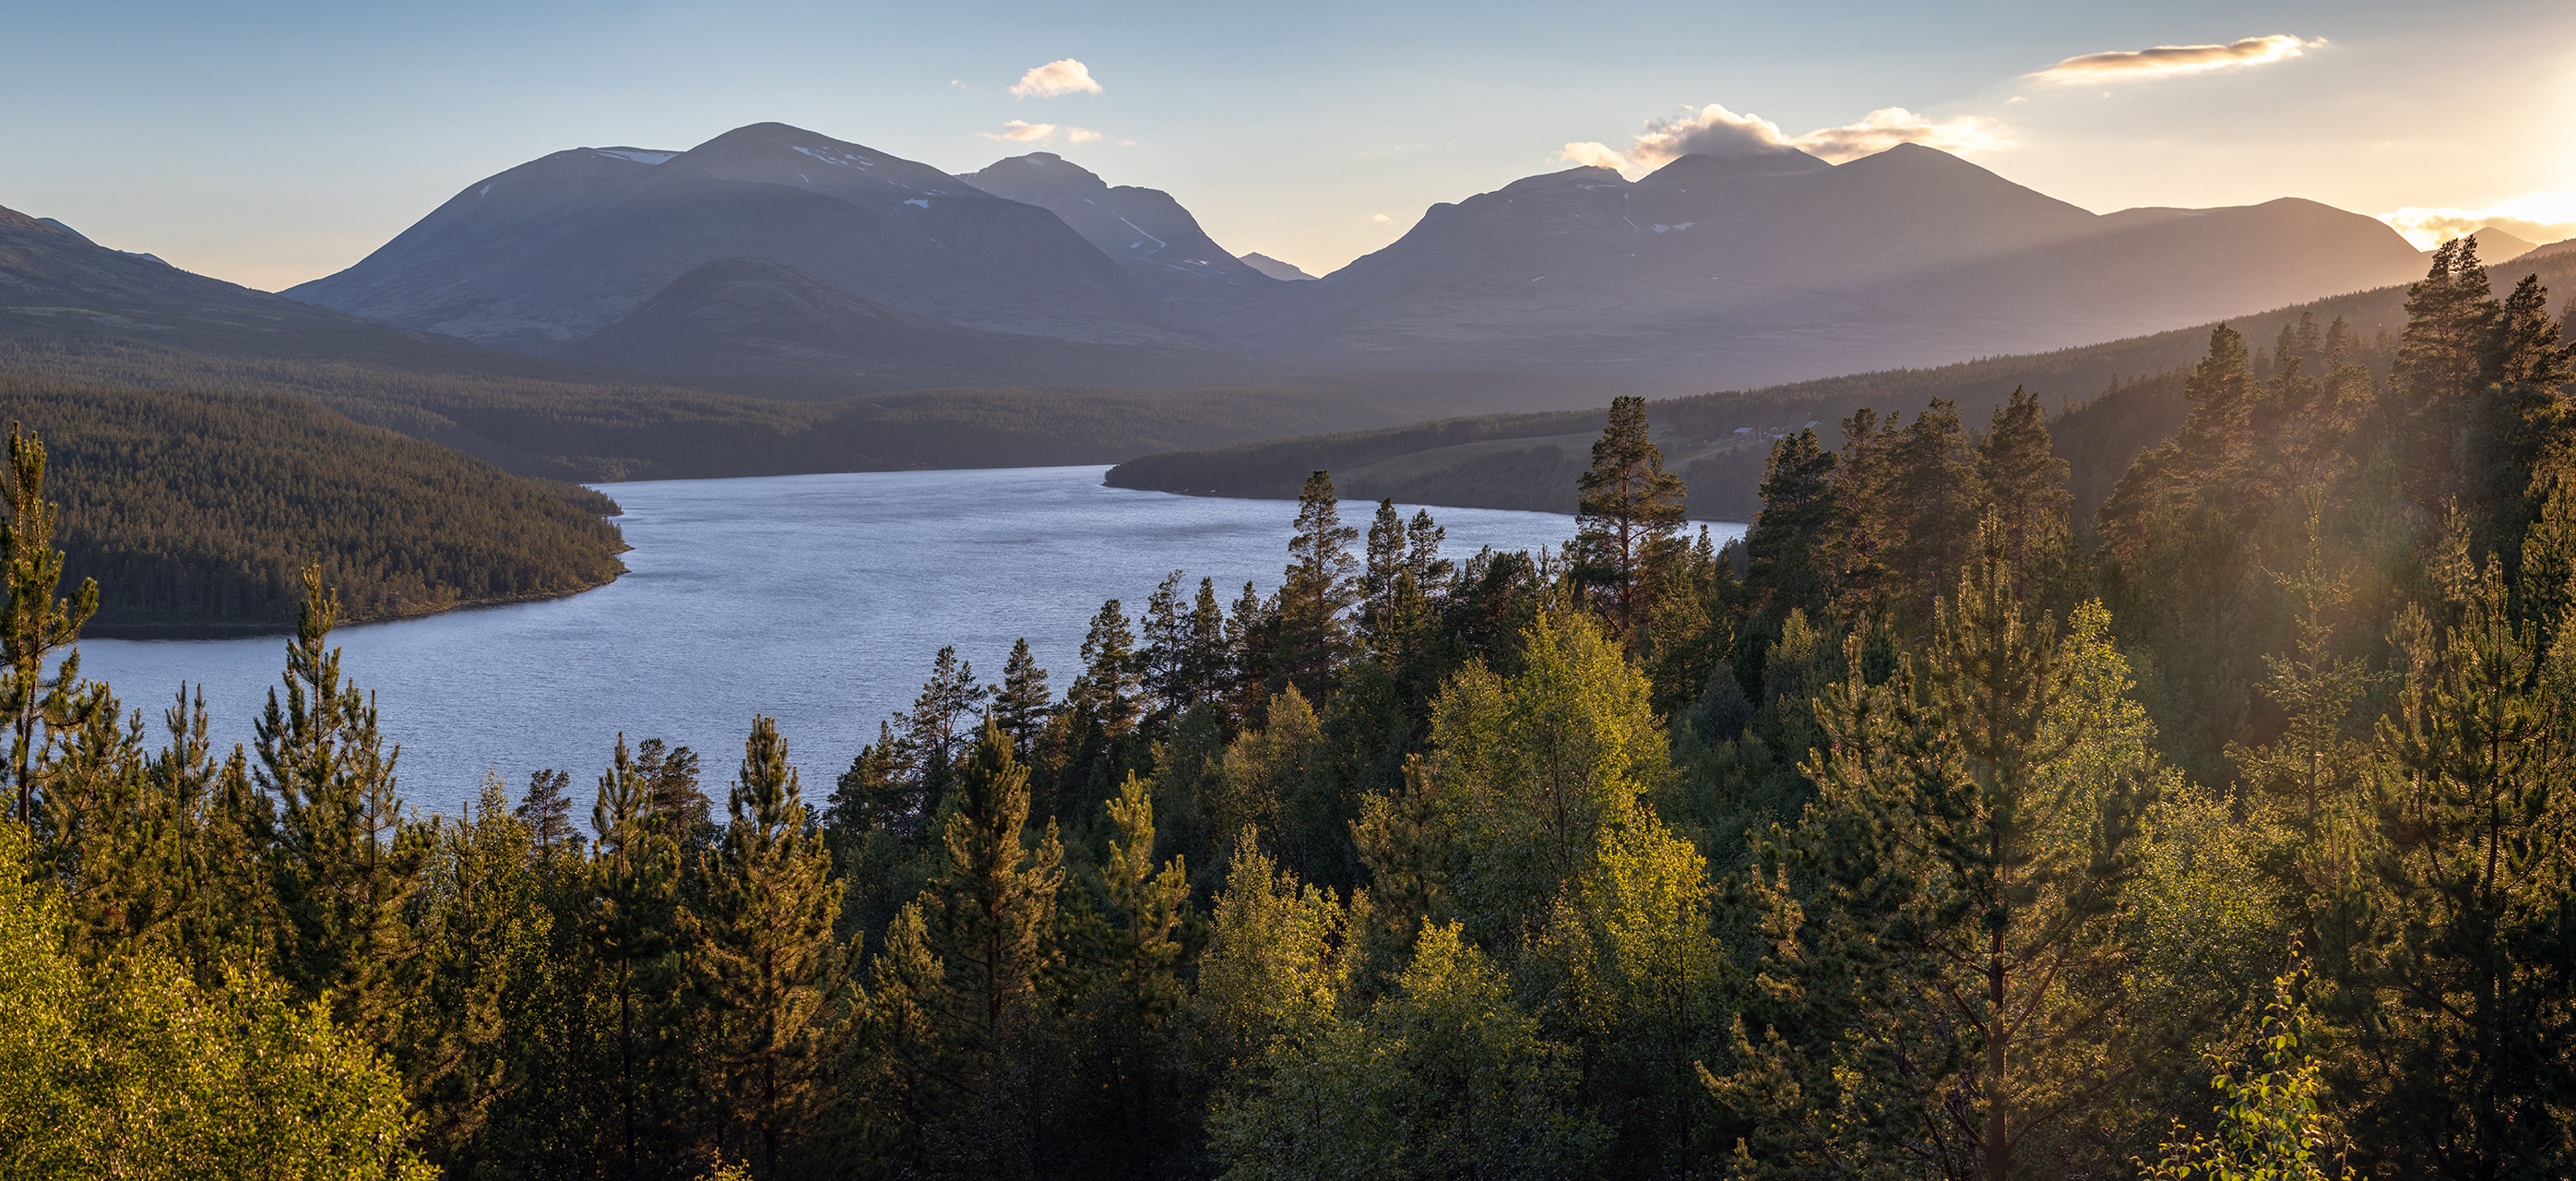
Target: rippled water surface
[818,600]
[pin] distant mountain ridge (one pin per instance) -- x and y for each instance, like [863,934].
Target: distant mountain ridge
[1757,267]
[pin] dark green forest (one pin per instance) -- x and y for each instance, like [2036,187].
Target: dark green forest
[200,508]
[539,417]
[1930,832]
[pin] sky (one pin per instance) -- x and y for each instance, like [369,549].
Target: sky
[269,144]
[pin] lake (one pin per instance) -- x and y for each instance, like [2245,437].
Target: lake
[818,600]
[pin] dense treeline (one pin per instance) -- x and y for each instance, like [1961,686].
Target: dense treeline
[1916,836]
[200,508]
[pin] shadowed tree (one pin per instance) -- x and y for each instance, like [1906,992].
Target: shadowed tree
[1628,511]
[36,622]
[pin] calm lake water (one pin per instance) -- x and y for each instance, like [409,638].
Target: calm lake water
[818,600]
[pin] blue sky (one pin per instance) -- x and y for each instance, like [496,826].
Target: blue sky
[269,144]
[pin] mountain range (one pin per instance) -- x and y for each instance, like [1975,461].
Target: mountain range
[775,250]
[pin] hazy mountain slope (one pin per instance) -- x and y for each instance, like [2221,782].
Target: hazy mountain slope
[1144,231]
[2120,396]
[556,249]
[1776,265]
[1286,271]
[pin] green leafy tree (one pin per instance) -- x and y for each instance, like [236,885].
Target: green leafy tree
[1447,1077]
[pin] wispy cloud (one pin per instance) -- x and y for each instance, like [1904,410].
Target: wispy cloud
[2164,61]
[2537,218]
[1080,135]
[1021,131]
[1714,130]
[1062,76]
[1381,219]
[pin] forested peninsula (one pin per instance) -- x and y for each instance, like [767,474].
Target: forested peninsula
[1926,832]
[196,510]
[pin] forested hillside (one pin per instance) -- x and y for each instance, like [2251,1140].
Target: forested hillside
[2129,393]
[570,424]
[1923,834]
[200,508]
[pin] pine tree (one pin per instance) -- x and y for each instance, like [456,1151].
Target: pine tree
[1784,569]
[1251,641]
[485,932]
[2449,318]
[2024,482]
[1949,916]
[1935,486]
[1385,564]
[1628,511]
[955,987]
[35,622]
[761,949]
[938,728]
[672,798]
[546,809]
[1162,661]
[1873,525]
[346,862]
[1024,703]
[630,924]
[1208,662]
[2474,884]
[1313,635]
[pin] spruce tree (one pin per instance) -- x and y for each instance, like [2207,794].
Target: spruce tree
[346,862]
[761,950]
[1627,512]
[34,623]
[1024,703]
[1313,635]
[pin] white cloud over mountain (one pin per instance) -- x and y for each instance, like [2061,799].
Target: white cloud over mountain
[1021,131]
[2539,218]
[2164,61]
[1062,76]
[1716,131]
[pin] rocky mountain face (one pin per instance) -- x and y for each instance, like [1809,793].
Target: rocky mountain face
[773,249]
